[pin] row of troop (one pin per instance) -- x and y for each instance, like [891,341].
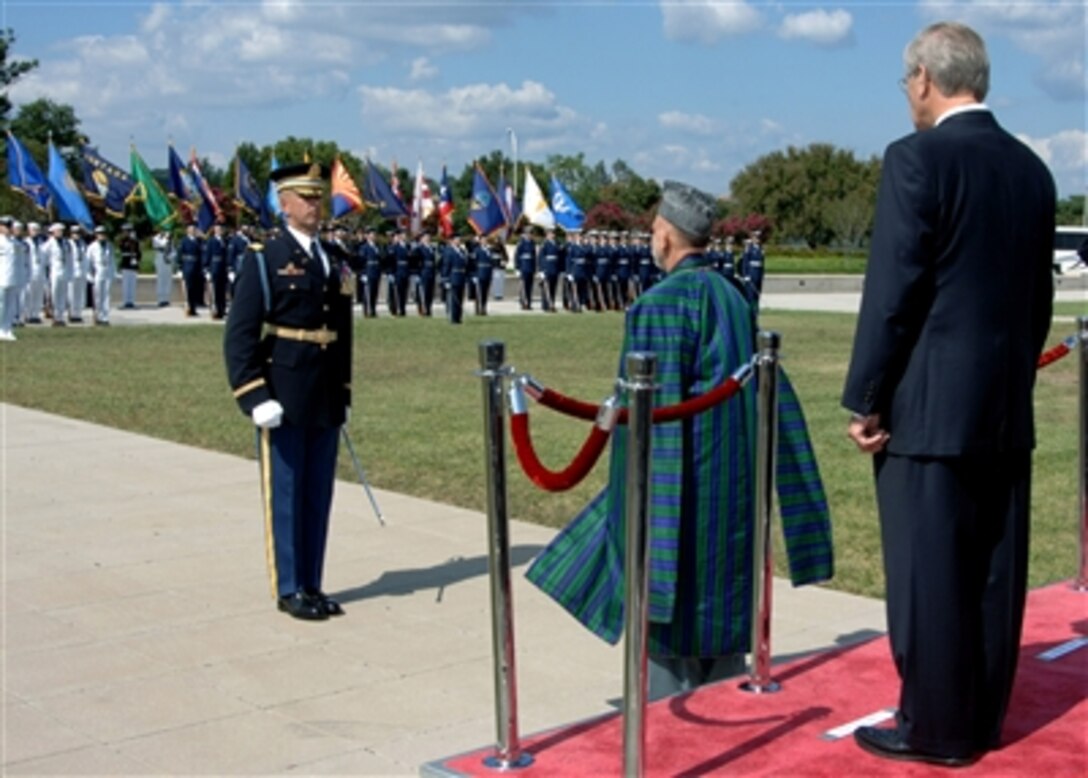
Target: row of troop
[58,272]
[592,271]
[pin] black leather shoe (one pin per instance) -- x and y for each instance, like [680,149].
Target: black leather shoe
[331,607]
[887,743]
[302,606]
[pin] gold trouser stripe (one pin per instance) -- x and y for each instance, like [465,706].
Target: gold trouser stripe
[248,387]
[266,497]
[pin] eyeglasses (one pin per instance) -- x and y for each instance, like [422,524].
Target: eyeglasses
[906,79]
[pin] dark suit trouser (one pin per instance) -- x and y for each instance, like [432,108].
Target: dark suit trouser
[298,467]
[955,539]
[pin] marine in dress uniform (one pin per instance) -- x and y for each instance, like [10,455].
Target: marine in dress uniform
[482,273]
[129,249]
[287,346]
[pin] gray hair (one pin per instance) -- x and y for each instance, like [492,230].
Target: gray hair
[955,57]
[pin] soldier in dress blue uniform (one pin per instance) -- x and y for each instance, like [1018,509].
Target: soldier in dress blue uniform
[605,271]
[645,263]
[191,254]
[288,353]
[550,265]
[454,270]
[576,275]
[729,267]
[428,271]
[397,263]
[483,269]
[370,255]
[622,258]
[525,263]
[751,266]
[215,265]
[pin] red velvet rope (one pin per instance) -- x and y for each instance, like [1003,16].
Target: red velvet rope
[552,480]
[583,410]
[1056,353]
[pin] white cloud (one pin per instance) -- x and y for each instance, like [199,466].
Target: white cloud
[686,122]
[475,110]
[1066,154]
[422,69]
[824,28]
[709,21]
[1051,30]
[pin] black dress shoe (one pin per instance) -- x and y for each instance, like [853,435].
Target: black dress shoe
[301,606]
[888,743]
[331,607]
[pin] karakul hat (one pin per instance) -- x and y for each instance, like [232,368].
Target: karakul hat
[688,209]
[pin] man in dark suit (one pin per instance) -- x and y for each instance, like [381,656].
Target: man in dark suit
[956,308]
[288,352]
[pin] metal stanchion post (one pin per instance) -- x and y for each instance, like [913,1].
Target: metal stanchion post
[640,391]
[1081,584]
[508,754]
[759,675]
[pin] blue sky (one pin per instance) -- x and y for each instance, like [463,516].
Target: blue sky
[689,89]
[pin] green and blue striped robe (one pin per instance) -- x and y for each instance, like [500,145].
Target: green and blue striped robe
[702,485]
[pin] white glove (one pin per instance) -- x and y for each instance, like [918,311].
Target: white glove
[268,414]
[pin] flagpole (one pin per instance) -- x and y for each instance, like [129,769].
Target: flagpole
[514,147]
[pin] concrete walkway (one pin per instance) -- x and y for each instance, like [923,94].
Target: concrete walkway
[140,636]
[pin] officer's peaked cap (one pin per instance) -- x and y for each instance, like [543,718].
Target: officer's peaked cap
[307,179]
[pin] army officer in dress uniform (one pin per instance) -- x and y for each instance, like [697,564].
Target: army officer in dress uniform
[288,352]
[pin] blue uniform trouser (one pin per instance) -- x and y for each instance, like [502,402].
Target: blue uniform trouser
[526,289]
[219,287]
[426,290]
[373,281]
[456,298]
[194,284]
[297,466]
[483,286]
[551,280]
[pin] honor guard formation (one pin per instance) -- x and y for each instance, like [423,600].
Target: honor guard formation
[63,275]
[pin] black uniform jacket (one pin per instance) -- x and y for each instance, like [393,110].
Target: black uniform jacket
[311,380]
[953,317]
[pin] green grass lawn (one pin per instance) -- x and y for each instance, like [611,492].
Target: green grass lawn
[417,420]
[1071,309]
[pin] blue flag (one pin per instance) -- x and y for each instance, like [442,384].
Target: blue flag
[183,187]
[567,213]
[70,203]
[105,182]
[271,212]
[246,193]
[24,174]
[377,192]
[485,211]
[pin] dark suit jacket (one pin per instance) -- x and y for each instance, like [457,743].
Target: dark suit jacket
[311,381]
[958,291]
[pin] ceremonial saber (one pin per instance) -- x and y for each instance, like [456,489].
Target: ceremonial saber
[361,474]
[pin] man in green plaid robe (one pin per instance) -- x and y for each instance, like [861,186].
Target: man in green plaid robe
[702,478]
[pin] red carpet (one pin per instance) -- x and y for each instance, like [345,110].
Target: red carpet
[719,730]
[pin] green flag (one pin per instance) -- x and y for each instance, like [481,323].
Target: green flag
[150,193]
